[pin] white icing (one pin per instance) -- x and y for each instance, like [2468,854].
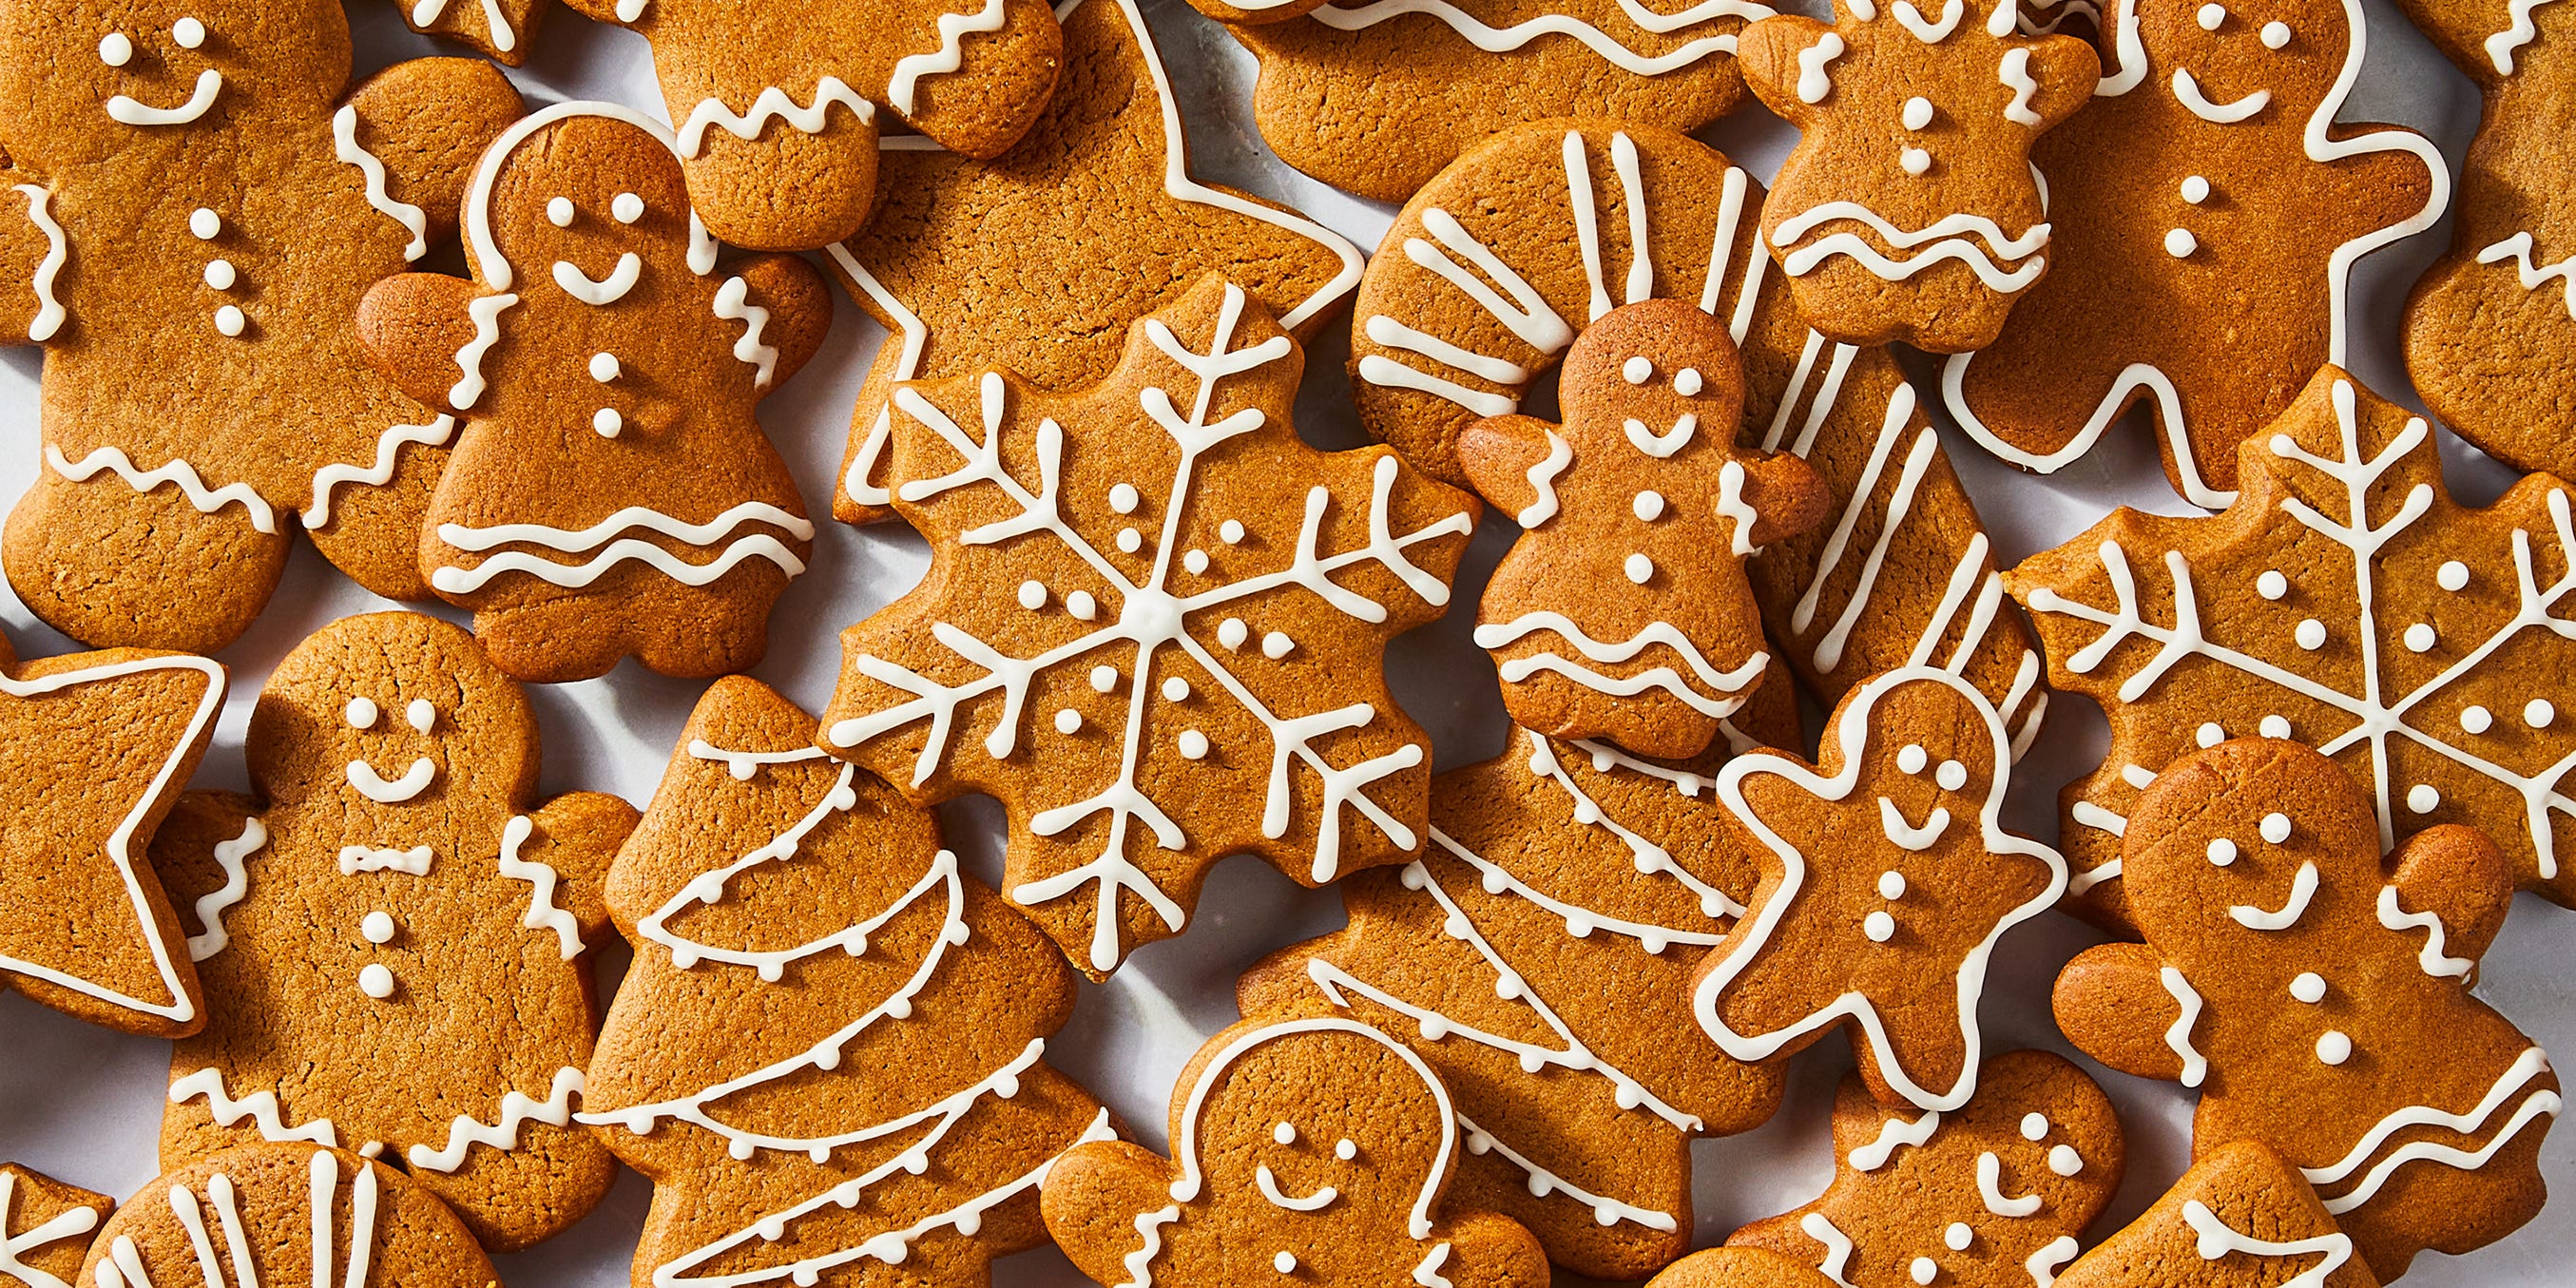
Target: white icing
[1944,234]
[1990,1189]
[2533,276]
[486,313]
[1838,1246]
[1269,1187]
[1814,82]
[1716,693]
[496,20]
[212,905]
[542,912]
[389,445]
[947,58]
[2303,887]
[502,1133]
[2520,31]
[489,264]
[1542,1183]
[2187,1000]
[355,859]
[732,305]
[610,553]
[2435,963]
[2530,1065]
[2013,70]
[377,788]
[344,144]
[131,111]
[772,104]
[1893,1133]
[50,313]
[260,1107]
[182,474]
[2218,1240]
[1930,33]
[1503,40]
[2044,1264]
[68,1224]
[2186,91]
[605,291]
[1542,480]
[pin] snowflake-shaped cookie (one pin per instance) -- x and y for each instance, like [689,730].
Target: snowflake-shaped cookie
[1152,625]
[2344,601]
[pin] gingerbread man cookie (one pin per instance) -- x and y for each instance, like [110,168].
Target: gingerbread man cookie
[2241,1215]
[612,493]
[285,1214]
[1147,704]
[501,29]
[1991,1195]
[45,1228]
[1639,511]
[1318,1148]
[2491,328]
[1740,1268]
[777,104]
[1908,210]
[828,1054]
[2205,213]
[203,212]
[99,745]
[392,937]
[1886,879]
[2319,1000]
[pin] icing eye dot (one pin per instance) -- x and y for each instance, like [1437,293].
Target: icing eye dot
[1650,505]
[2064,1161]
[1345,1149]
[559,212]
[1879,927]
[189,32]
[626,208]
[1891,885]
[1032,596]
[1951,776]
[204,224]
[1924,1270]
[1129,540]
[2210,734]
[2275,34]
[1122,498]
[2195,190]
[1193,744]
[1068,721]
[2222,852]
[1176,689]
[1284,1134]
[2274,727]
[2276,828]
[607,422]
[1230,532]
[1914,160]
[1912,759]
[361,713]
[2423,798]
[1958,1236]
[2309,987]
[2453,575]
[2272,585]
[1637,370]
[2538,713]
[1104,678]
[420,715]
[1687,382]
[115,49]
[2334,1048]
[2475,719]
[1276,646]
[2034,1127]
[229,320]
[604,367]
[1232,632]
[2210,16]
[2310,635]
[1082,606]
[1918,113]
[377,928]
[1640,569]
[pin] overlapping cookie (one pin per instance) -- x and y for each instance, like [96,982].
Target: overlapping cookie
[2347,602]
[45,1228]
[1152,626]
[611,493]
[202,212]
[392,933]
[829,1054]
[1317,1148]
[2319,999]
[1102,179]
[285,1214]
[2205,214]
[502,30]
[2240,1215]
[1489,273]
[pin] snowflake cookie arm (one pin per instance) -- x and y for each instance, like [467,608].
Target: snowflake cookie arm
[204,853]
[775,318]
[1787,63]
[433,336]
[2121,1005]
[573,838]
[2450,889]
[416,130]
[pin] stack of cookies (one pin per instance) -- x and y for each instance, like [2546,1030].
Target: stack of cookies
[1769,678]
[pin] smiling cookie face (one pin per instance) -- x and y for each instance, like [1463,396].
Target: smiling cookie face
[2234,58]
[95,73]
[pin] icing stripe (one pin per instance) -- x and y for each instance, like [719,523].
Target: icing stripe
[2501,46]
[575,540]
[772,104]
[69,1224]
[344,143]
[732,305]
[2217,1240]
[50,313]
[464,581]
[389,444]
[212,905]
[259,1106]
[542,912]
[951,54]
[1495,40]
[2518,249]
[206,500]
[502,1133]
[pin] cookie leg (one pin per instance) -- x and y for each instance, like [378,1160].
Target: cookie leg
[370,527]
[786,190]
[113,566]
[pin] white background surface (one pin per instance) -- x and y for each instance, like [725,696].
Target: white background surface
[85,1105]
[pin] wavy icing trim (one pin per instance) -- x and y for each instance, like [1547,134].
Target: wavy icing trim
[2501,47]
[947,58]
[177,472]
[502,1133]
[1732,686]
[212,905]
[772,104]
[260,1107]
[2530,1065]
[50,313]
[1542,1183]
[2218,1240]
[2187,1001]
[1942,234]
[2435,963]
[345,146]
[453,579]
[389,445]
[496,22]
[1503,40]
[541,879]
[2518,250]
[708,888]
[1837,1245]
[733,305]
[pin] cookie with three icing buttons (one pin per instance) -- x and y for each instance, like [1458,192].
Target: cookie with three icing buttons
[777,104]
[1316,1148]
[2319,999]
[45,1228]
[392,934]
[1909,211]
[203,209]
[2240,1215]
[611,493]
[285,1214]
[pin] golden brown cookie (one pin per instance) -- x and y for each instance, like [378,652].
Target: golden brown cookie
[392,934]
[1740,1268]
[99,745]
[1315,1148]
[612,493]
[203,210]
[1991,1195]
[1886,879]
[777,104]
[2347,602]
[828,1053]
[1108,153]
[2240,1216]
[1914,148]
[2491,327]
[1538,957]
[283,1215]
[502,30]
[1489,273]
[45,1228]
[1623,612]
[2205,213]
[2319,999]
[1143,704]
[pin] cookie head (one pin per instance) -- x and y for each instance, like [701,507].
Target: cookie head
[2244,844]
[97,72]
[2230,59]
[1663,367]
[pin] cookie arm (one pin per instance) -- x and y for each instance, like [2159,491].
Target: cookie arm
[1100,1202]
[606,11]
[1768,51]
[1489,1250]
[1787,495]
[1500,455]
[203,853]
[33,251]
[2111,1003]
[428,121]
[2067,70]
[2456,875]
[799,308]
[416,330]
[577,835]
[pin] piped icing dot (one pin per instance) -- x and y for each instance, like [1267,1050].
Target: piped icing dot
[2034,1127]
[2221,852]
[2064,1161]
[361,713]
[2211,16]
[2272,585]
[1951,776]
[2210,734]
[229,320]
[607,422]
[1104,678]
[1891,884]
[1129,539]
[1032,596]
[1879,926]
[116,49]
[2538,713]
[1687,382]
[2420,637]
[1175,689]
[2335,1047]
[1918,112]
[1346,1149]
[2276,828]
[1230,532]
[2274,727]
[1924,1270]
[559,212]
[2453,575]
[220,274]
[626,208]
[1123,498]
[2423,798]
[1637,370]
[1958,1236]
[1914,160]
[2309,987]
[2475,719]
[1194,561]
[2310,635]
[420,715]
[1276,646]
[1912,758]
[1284,1134]
[204,224]
[189,32]
[2195,189]
[1232,632]
[1193,744]
[1640,569]
[377,927]
[1082,605]
[604,367]
[1068,720]
[2179,243]
[1284,1263]
[376,981]
[2275,34]
[1649,505]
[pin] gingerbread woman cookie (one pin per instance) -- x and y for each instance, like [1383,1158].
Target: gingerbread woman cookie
[1991,1195]
[2319,998]
[1644,487]
[45,1228]
[828,1054]
[2205,213]
[1147,704]
[2241,1215]
[501,29]
[1318,1148]
[612,493]
[1886,879]
[285,1214]
[1914,149]
[393,939]
[777,104]
[203,210]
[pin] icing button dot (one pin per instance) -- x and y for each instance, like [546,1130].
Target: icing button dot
[2179,243]
[1129,539]
[189,32]
[2334,1048]
[1068,721]
[1230,532]
[2310,635]
[1193,744]
[1284,1263]
[2309,987]
[1958,1236]
[1640,569]
[2272,585]
[2210,734]
[1104,678]
[1951,776]
[1637,370]
[116,49]
[1276,646]
[2538,713]
[1879,926]
[376,981]
[2034,1127]
[229,320]
[2475,719]
[220,274]
[2275,34]
[1912,758]
[377,927]
[559,212]
[626,208]
[2274,727]
[1891,884]
[1175,689]
[1924,1270]
[1122,498]
[2221,852]
[604,367]
[2420,637]
[607,422]
[2276,828]
[1649,505]
[1918,112]
[1032,596]
[2423,798]
[2195,190]
[204,224]
[2453,575]
[1914,160]
[2064,1161]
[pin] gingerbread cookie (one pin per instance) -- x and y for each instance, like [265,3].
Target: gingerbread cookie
[99,745]
[281,1215]
[1538,958]
[392,942]
[501,29]
[1740,1268]
[1991,1195]
[1318,1148]
[1914,149]
[612,493]
[1886,879]
[2319,1000]
[777,104]
[1489,273]
[2241,1215]
[828,1053]
[2346,601]
[2205,213]
[1642,487]
[1108,152]
[1375,96]
[45,1228]
[2491,328]
[203,211]
[1145,705]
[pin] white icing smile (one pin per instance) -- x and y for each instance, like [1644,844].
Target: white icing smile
[2187,92]
[605,291]
[355,859]
[1905,834]
[375,787]
[132,111]
[1664,444]
[2303,887]
[1270,1190]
